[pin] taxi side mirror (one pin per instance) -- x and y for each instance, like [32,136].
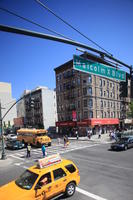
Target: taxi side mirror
[37,187]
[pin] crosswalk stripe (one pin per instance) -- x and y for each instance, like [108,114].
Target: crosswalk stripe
[37,153]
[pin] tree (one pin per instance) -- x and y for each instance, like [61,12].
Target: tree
[130,113]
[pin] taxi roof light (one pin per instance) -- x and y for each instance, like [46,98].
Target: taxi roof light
[49,160]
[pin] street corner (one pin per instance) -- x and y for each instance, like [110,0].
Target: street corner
[5,162]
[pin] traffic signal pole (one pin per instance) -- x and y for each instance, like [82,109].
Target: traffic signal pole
[3,155]
[60,39]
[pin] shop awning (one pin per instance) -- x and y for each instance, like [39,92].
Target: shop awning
[105,121]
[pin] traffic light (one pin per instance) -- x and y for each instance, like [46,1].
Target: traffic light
[32,102]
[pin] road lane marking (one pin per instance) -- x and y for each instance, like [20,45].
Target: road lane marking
[106,164]
[88,194]
[17,157]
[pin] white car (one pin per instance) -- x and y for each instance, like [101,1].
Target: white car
[11,137]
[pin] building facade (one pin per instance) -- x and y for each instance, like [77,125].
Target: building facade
[6,102]
[82,97]
[42,113]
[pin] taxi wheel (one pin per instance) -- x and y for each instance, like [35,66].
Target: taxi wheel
[70,189]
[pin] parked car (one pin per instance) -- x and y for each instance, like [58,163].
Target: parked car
[123,144]
[14,144]
[11,136]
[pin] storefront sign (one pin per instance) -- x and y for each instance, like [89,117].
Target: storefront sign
[98,69]
[105,121]
[128,121]
[74,115]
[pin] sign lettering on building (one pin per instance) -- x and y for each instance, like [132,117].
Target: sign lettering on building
[98,69]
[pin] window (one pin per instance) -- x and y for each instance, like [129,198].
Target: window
[104,103]
[70,168]
[101,103]
[59,173]
[78,81]
[104,93]
[84,91]
[85,114]
[84,81]
[107,93]
[108,104]
[111,85]
[85,102]
[78,104]
[90,103]
[107,84]
[101,92]
[26,180]
[103,82]
[89,79]
[105,114]
[60,76]
[102,114]
[47,181]
[100,82]
[89,91]
[90,114]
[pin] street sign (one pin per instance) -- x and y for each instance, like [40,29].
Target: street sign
[99,69]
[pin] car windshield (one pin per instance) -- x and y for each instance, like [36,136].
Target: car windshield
[124,139]
[26,180]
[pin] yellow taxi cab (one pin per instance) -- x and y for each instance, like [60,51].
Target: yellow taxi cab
[49,178]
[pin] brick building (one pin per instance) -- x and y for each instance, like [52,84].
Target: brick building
[86,100]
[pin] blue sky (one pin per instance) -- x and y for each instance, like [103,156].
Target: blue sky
[28,62]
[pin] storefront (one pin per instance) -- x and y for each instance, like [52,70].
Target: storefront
[69,127]
[128,123]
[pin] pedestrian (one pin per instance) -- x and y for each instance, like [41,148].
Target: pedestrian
[59,140]
[65,140]
[77,135]
[89,133]
[28,150]
[99,133]
[43,150]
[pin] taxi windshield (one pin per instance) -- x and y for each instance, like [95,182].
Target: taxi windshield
[26,180]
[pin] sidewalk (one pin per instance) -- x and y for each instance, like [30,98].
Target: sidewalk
[94,138]
[6,162]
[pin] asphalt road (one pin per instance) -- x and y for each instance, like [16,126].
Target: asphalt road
[105,175]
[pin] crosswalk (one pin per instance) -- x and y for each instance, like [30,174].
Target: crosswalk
[36,153]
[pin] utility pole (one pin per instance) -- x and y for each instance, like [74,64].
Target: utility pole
[3,155]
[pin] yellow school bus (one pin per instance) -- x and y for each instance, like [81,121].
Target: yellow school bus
[36,137]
